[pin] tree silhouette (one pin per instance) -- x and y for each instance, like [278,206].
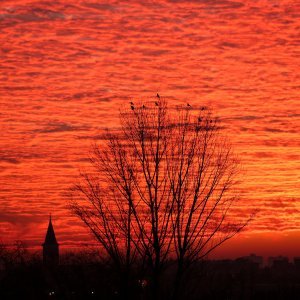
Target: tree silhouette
[161,188]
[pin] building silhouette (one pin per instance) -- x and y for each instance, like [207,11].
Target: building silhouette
[50,247]
[297,262]
[253,259]
[278,261]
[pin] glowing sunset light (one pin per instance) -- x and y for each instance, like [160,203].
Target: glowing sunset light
[68,67]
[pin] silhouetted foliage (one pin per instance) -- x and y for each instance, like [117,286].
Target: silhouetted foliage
[81,275]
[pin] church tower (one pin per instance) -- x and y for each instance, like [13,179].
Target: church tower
[50,247]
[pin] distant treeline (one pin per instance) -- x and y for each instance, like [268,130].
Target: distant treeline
[87,275]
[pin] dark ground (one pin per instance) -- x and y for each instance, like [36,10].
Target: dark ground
[83,277]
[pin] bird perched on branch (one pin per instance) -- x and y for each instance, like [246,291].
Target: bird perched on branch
[188,105]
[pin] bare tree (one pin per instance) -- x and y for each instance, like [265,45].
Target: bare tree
[161,188]
[202,172]
[13,255]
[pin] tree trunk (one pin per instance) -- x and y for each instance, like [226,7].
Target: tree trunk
[124,285]
[155,285]
[178,280]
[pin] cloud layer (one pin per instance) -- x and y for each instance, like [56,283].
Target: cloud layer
[68,66]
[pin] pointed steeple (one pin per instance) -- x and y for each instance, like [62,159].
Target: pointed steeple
[50,247]
[50,238]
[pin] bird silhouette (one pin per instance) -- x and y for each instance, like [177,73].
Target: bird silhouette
[156,103]
[144,106]
[132,107]
[131,103]
[157,96]
[188,105]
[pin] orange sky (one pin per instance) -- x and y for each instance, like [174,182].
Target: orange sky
[67,66]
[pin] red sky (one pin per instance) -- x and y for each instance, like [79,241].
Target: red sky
[66,67]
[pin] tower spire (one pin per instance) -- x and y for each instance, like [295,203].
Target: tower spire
[50,246]
[50,238]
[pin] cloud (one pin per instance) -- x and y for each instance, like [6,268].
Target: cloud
[20,219]
[293,211]
[222,4]
[10,160]
[263,154]
[246,118]
[100,6]
[16,156]
[91,137]
[54,127]
[154,52]
[228,45]
[34,15]
[79,72]
[294,115]
[277,130]
[280,203]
